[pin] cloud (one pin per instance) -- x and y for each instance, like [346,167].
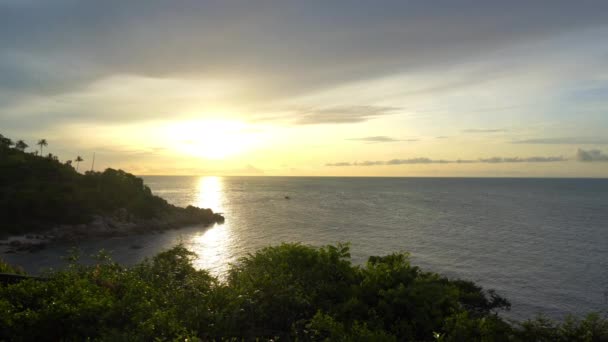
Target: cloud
[522,160]
[591,156]
[270,40]
[63,62]
[423,160]
[119,99]
[341,114]
[380,139]
[368,163]
[565,141]
[414,161]
[338,164]
[484,130]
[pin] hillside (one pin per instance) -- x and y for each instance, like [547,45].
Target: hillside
[39,193]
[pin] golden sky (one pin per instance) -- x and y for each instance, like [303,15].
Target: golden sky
[309,88]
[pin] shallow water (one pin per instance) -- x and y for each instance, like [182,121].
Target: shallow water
[542,243]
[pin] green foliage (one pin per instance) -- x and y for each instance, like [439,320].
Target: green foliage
[37,192]
[5,142]
[590,329]
[287,284]
[324,327]
[286,292]
[6,268]
[110,302]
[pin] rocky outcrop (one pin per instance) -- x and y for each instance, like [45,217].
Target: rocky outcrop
[119,223]
[24,244]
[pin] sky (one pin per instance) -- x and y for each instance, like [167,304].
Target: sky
[311,88]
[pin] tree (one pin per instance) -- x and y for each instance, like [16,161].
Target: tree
[78,160]
[42,143]
[21,145]
[4,141]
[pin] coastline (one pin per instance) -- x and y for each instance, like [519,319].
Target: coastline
[119,223]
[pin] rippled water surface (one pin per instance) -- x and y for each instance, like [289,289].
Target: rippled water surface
[542,243]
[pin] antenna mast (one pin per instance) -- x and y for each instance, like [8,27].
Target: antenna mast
[93,163]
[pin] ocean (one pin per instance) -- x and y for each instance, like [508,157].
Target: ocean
[541,243]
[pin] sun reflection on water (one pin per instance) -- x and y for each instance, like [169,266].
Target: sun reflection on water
[210,193]
[213,244]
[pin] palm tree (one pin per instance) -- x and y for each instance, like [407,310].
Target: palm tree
[21,145]
[42,143]
[78,160]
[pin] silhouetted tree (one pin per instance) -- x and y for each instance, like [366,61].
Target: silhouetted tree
[42,143]
[21,145]
[4,141]
[78,160]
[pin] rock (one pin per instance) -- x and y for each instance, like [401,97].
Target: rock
[122,215]
[119,223]
[21,246]
[34,247]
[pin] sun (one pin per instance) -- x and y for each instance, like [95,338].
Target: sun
[211,139]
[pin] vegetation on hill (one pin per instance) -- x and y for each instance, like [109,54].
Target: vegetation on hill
[38,192]
[287,292]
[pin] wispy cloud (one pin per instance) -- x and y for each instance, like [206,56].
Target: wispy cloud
[522,160]
[591,156]
[475,130]
[341,114]
[381,139]
[565,141]
[424,160]
[339,164]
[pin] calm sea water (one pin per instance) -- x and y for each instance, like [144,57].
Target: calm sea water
[542,243]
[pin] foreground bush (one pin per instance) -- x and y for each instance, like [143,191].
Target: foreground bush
[289,292]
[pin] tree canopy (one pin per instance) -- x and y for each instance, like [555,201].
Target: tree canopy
[38,192]
[286,292]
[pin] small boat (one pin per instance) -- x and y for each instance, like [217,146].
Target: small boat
[287,197]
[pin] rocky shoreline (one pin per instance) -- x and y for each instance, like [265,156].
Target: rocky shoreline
[118,223]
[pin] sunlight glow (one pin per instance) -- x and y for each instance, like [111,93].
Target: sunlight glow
[210,193]
[213,244]
[212,247]
[211,139]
